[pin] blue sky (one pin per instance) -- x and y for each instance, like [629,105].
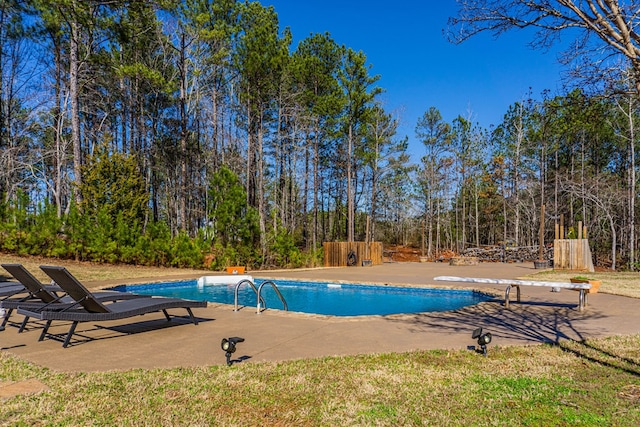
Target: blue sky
[418,67]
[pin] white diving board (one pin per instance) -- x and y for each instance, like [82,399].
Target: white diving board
[582,287]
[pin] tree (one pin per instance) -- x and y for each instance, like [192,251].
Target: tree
[74,27]
[260,59]
[316,62]
[606,198]
[468,142]
[233,223]
[15,73]
[513,140]
[384,156]
[625,128]
[359,95]
[113,184]
[435,134]
[605,27]
[397,201]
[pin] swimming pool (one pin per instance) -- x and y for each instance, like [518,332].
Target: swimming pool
[325,298]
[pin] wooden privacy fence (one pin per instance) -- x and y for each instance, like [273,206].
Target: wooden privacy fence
[572,254]
[342,254]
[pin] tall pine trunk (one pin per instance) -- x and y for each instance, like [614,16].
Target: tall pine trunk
[350,197]
[75,109]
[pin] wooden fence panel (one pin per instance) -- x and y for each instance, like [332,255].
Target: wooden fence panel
[336,254]
[572,254]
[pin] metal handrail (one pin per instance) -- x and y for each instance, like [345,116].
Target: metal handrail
[235,293]
[275,288]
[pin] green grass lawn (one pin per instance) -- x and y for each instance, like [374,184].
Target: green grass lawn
[596,383]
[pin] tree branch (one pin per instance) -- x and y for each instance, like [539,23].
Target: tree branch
[612,21]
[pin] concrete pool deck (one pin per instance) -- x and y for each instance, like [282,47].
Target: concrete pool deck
[150,341]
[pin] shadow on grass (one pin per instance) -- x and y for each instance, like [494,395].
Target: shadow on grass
[588,351]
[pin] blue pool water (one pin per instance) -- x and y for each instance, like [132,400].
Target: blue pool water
[321,297]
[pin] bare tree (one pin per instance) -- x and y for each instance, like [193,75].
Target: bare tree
[435,134]
[604,27]
[384,156]
[608,202]
[627,105]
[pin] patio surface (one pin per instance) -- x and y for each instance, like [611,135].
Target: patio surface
[151,342]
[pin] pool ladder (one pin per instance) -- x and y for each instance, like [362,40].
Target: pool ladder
[260,302]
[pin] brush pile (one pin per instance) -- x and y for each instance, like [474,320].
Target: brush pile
[507,254]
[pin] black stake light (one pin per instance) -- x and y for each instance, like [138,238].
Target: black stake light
[483,339]
[228,345]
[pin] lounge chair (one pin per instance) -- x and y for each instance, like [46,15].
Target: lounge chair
[90,309]
[39,296]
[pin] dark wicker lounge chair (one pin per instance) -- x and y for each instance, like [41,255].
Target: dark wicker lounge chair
[40,296]
[90,309]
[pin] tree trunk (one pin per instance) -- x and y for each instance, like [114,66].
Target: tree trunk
[316,186]
[260,189]
[350,196]
[75,109]
[477,210]
[182,187]
[58,158]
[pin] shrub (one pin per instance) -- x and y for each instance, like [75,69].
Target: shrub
[283,250]
[185,252]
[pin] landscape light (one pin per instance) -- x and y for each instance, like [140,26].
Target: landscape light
[228,345]
[483,339]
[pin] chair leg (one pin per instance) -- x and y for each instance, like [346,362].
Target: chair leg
[191,316]
[167,315]
[23,324]
[45,330]
[6,317]
[72,329]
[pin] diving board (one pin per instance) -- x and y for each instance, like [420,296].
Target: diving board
[582,287]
